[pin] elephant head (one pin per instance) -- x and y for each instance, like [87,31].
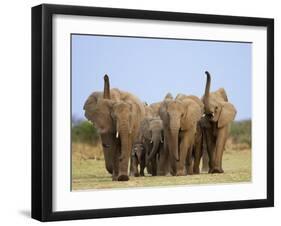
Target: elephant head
[98,109]
[217,108]
[123,120]
[172,114]
[138,151]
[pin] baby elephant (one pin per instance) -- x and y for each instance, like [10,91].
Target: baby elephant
[138,159]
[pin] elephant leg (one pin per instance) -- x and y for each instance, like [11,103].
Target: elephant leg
[142,166]
[149,168]
[108,161]
[189,162]
[204,153]
[220,144]
[197,157]
[147,164]
[123,167]
[132,166]
[185,143]
[115,163]
[134,171]
[163,162]
[108,151]
[210,146]
[197,154]
[126,146]
[205,160]
[154,166]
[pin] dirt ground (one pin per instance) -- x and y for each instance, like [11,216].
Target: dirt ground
[88,172]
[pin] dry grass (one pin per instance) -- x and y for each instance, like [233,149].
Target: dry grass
[89,172]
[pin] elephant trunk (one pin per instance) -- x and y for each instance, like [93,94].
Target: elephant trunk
[174,144]
[139,156]
[122,132]
[106,90]
[207,93]
[156,142]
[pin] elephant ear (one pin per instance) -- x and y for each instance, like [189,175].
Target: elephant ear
[222,93]
[227,114]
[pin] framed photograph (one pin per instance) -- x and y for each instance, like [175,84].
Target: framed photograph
[146,112]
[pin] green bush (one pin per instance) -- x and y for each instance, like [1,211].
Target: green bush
[85,132]
[241,132]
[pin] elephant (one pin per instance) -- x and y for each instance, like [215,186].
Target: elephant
[138,159]
[117,115]
[180,117]
[218,115]
[156,160]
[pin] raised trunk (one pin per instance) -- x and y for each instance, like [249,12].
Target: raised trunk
[106,90]
[207,93]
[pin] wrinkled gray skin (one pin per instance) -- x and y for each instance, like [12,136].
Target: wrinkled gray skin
[180,117]
[138,159]
[151,131]
[219,113]
[117,116]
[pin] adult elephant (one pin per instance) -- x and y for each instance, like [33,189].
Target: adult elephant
[117,115]
[219,113]
[138,159]
[180,117]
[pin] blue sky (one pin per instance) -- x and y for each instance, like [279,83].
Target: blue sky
[149,68]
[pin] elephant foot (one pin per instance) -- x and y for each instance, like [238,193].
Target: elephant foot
[123,178]
[205,169]
[196,170]
[161,173]
[216,170]
[114,178]
[136,174]
[142,174]
[180,173]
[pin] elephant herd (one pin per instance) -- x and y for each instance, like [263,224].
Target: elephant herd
[167,137]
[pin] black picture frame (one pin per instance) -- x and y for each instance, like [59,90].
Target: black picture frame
[42,111]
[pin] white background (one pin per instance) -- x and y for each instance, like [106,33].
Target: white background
[15,111]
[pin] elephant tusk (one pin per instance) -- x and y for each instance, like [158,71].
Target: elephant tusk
[203,115]
[151,141]
[117,134]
